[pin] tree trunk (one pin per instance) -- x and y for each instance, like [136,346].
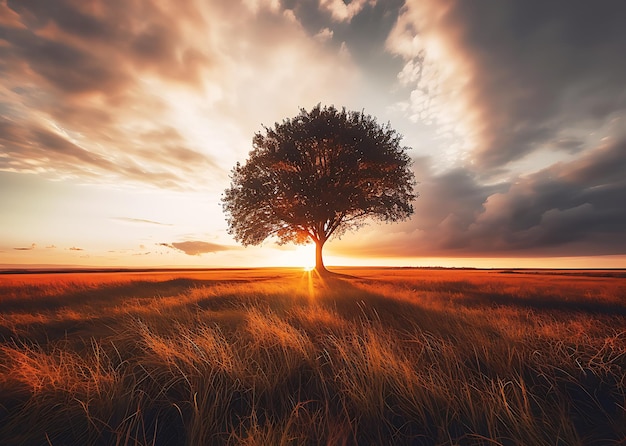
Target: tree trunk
[319,261]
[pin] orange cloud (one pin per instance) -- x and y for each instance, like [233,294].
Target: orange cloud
[166,94]
[195,248]
[139,221]
[30,248]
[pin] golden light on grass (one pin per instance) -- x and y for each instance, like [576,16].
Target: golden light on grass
[394,356]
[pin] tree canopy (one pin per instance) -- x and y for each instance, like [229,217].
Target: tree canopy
[318,175]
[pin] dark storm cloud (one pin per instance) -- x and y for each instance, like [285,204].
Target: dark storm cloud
[543,68]
[533,75]
[514,78]
[568,209]
[195,248]
[573,208]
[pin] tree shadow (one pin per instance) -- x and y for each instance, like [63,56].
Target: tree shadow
[109,293]
[90,309]
[474,296]
[333,275]
[359,304]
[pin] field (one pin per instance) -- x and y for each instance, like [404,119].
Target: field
[280,356]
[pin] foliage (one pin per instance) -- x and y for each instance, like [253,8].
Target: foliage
[317,175]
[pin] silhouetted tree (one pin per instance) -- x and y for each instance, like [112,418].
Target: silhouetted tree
[318,175]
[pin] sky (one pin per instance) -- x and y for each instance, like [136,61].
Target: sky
[120,121]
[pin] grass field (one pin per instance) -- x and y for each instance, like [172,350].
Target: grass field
[277,357]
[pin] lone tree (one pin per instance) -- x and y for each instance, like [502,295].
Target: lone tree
[318,175]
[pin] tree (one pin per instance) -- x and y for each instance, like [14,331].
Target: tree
[316,176]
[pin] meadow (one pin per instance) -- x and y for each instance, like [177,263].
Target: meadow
[283,356]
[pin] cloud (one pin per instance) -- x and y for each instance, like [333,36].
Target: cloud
[74,248]
[139,221]
[31,247]
[324,35]
[166,94]
[510,78]
[568,209]
[51,247]
[195,248]
[342,12]
[255,6]
[31,147]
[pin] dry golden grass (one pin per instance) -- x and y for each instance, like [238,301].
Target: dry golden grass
[264,357]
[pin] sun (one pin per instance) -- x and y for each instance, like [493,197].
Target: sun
[304,257]
[297,256]
[307,257]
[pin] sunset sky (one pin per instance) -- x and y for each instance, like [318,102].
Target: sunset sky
[120,121]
